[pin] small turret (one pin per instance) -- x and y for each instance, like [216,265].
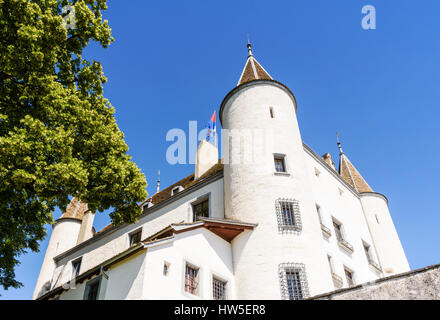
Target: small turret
[389,249]
[73,227]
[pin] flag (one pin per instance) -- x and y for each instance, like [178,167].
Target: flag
[211,136]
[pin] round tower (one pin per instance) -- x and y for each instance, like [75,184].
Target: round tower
[64,236]
[389,250]
[383,232]
[259,123]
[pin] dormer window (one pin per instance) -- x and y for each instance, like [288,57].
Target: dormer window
[147,205]
[176,190]
[135,237]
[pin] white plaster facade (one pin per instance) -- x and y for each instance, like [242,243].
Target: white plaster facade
[247,190]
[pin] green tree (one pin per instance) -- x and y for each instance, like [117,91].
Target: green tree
[58,136]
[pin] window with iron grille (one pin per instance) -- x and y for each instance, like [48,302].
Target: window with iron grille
[192,279]
[293,281]
[288,215]
[135,237]
[76,266]
[201,210]
[218,289]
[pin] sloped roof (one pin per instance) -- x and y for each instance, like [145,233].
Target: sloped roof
[75,210]
[252,70]
[350,174]
[224,228]
[185,183]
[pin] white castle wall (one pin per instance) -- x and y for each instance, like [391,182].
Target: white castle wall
[347,209]
[141,276]
[251,191]
[118,241]
[199,247]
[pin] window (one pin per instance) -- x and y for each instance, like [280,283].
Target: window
[201,209]
[147,205]
[317,172]
[76,266]
[340,237]
[280,165]
[271,112]
[338,230]
[93,288]
[135,237]
[176,190]
[288,215]
[293,281]
[93,291]
[330,262]
[191,279]
[318,209]
[367,249]
[370,257]
[349,276]
[218,289]
[337,280]
[166,267]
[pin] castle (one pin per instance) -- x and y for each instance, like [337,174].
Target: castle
[288,226]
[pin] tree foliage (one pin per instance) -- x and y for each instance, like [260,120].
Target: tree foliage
[58,136]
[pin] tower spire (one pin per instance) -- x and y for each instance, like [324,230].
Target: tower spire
[249,47]
[158,181]
[252,69]
[339,144]
[349,173]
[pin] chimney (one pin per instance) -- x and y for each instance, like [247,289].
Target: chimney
[328,158]
[206,157]
[86,229]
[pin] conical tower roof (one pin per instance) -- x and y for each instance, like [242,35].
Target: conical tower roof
[252,69]
[350,174]
[75,210]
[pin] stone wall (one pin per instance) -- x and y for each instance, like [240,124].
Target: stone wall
[420,284]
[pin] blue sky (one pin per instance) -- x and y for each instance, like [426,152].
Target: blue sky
[174,61]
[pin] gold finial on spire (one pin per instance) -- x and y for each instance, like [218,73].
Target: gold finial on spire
[339,144]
